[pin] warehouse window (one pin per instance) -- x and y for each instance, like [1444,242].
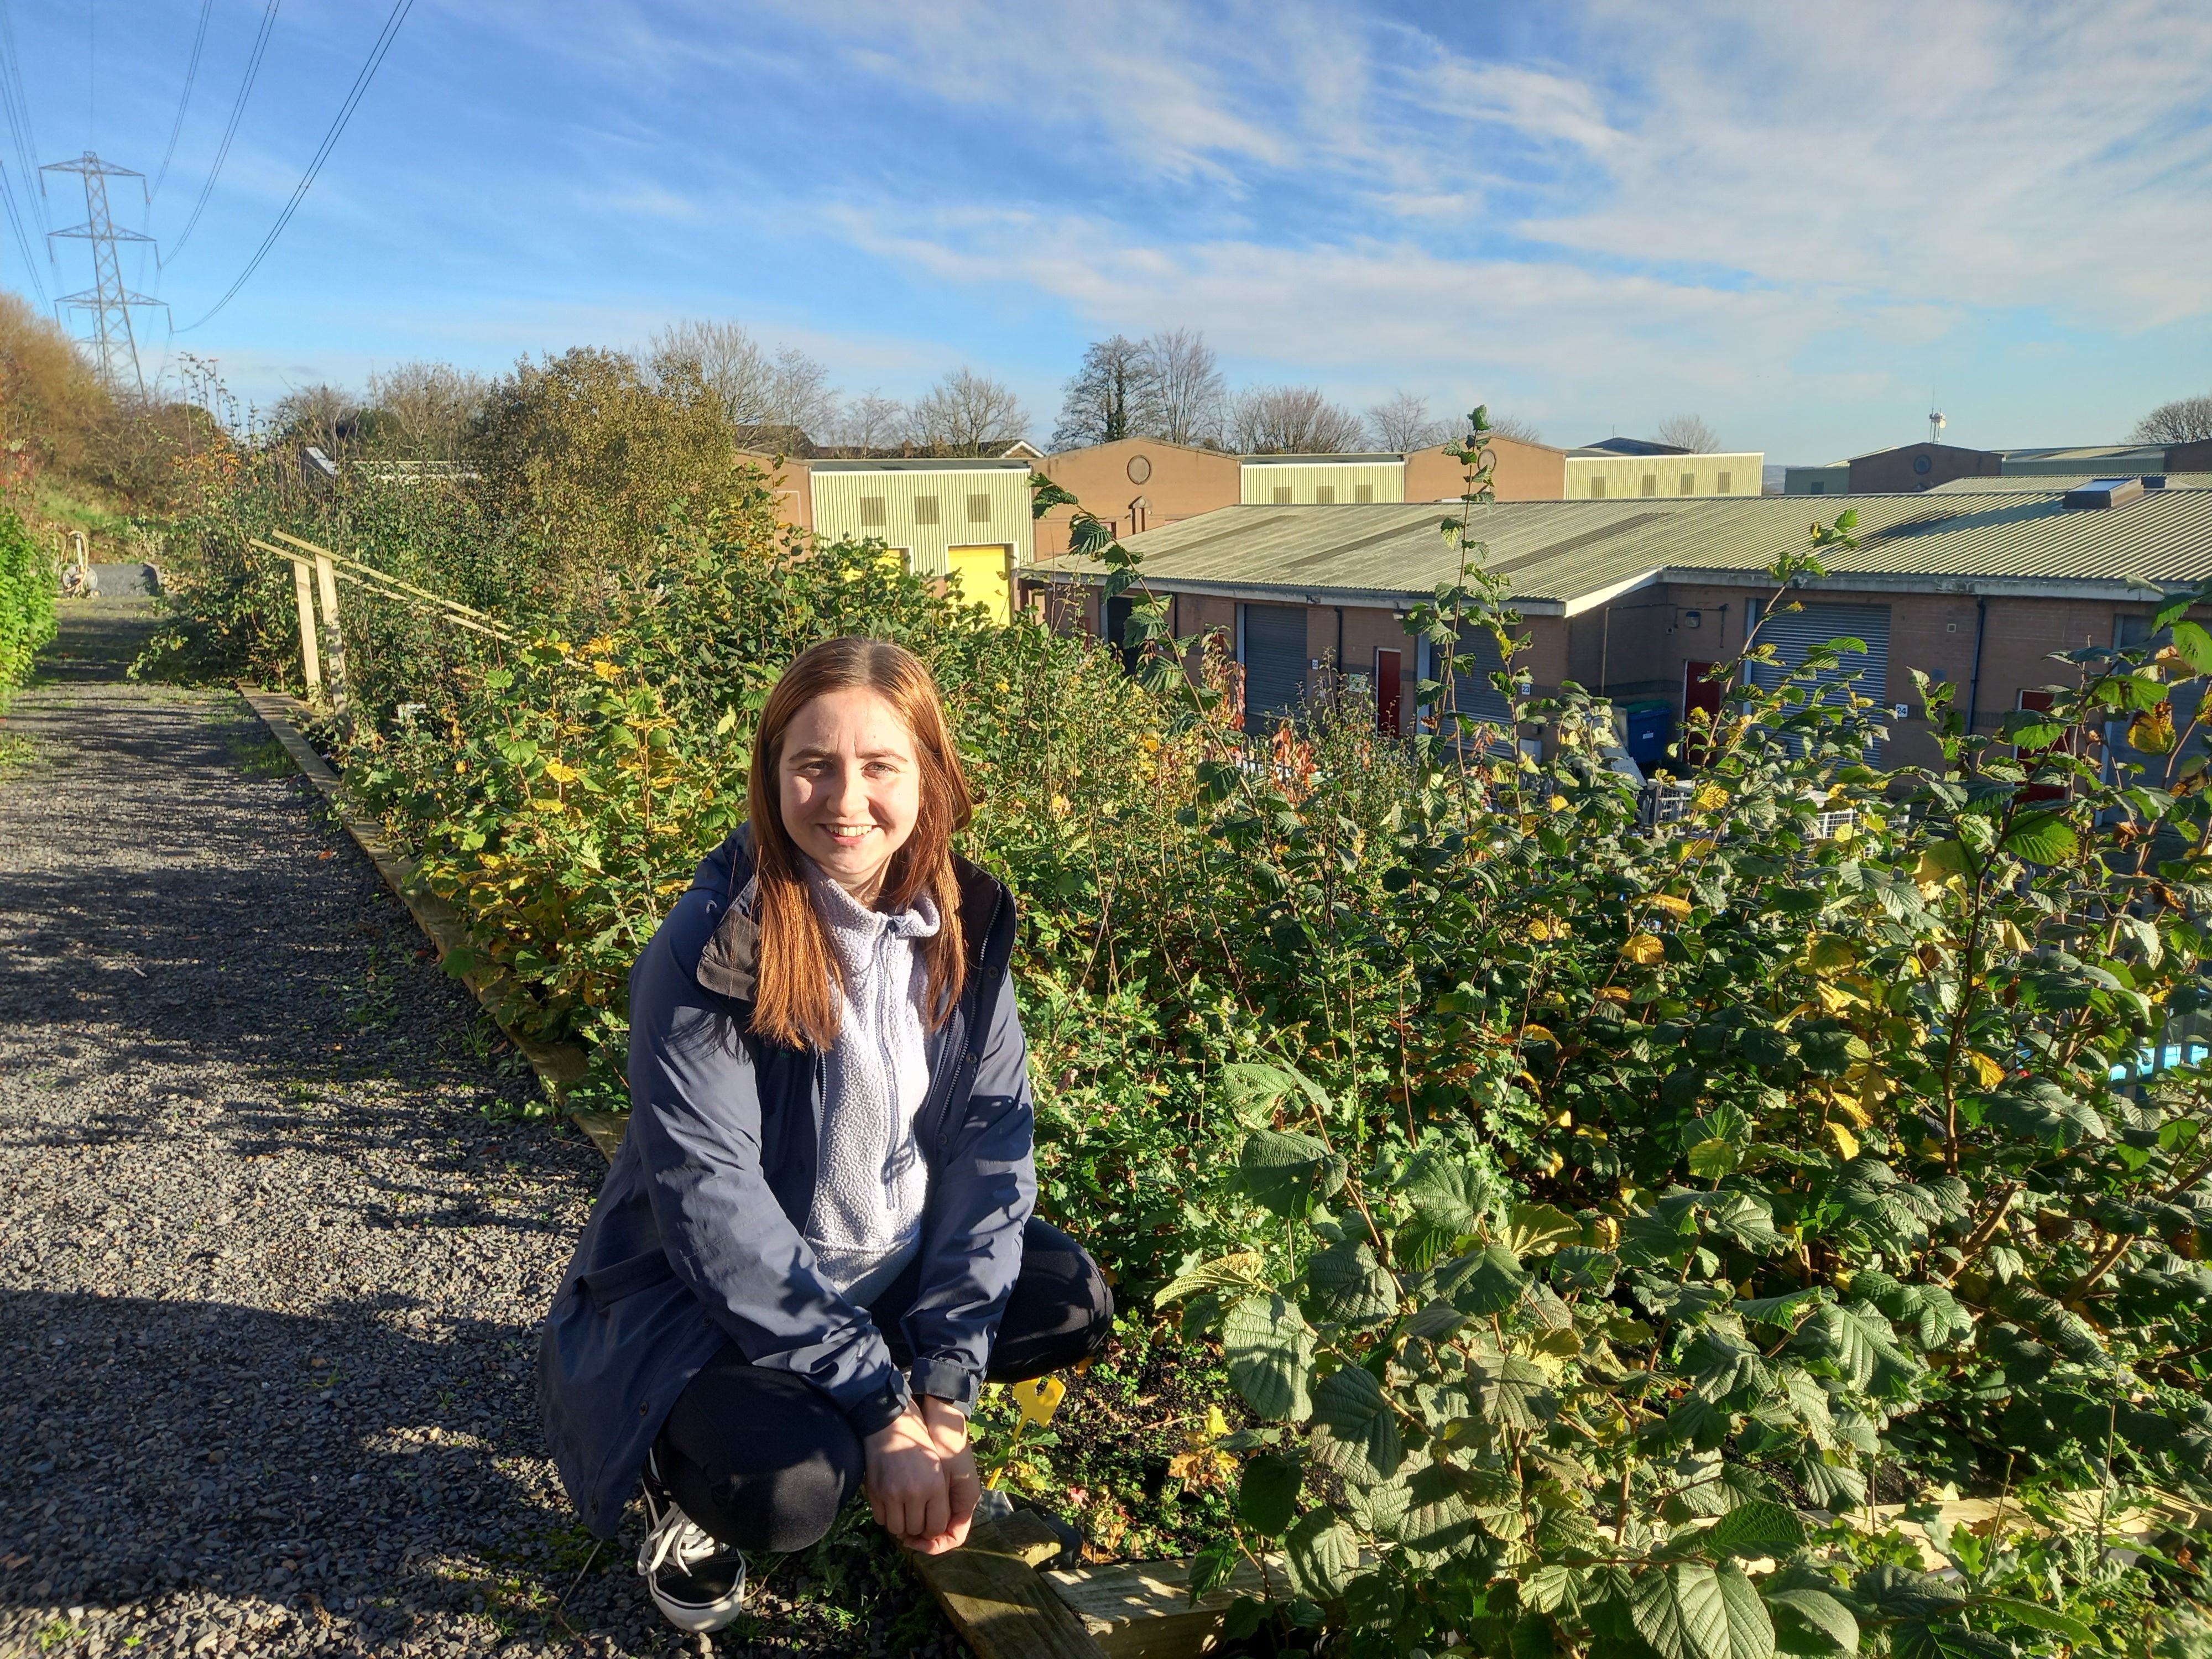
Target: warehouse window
[1819,485]
[1282,495]
[1597,489]
[871,510]
[1325,495]
[979,509]
[1363,493]
[1723,485]
[1651,483]
[925,509]
[1689,484]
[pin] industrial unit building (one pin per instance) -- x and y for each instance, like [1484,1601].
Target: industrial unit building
[1910,468]
[964,519]
[1638,598]
[1137,484]
[1614,467]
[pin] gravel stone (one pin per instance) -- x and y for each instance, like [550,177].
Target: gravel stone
[272,1263]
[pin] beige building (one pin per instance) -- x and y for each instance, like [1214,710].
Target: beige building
[1620,467]
[963,520]
[1320,480]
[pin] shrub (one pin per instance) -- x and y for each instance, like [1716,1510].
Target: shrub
[26,602]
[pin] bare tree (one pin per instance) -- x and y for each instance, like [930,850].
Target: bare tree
[779,397]
[1403,423]
[322,415]
[869,421]
[966,414]
[1517,427]
[1292,419]
[1690,432]
[1105,396]
[422,410]
[1184,397]
[2183,420]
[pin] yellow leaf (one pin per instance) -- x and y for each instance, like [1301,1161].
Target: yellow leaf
[1532,1032]
[1644,949]
[1612,993]
[1040,1398]
[1677,908]
[2011,938]
[1710,798]
[561,772]
[607,671]
[1846,1142]
[1828,954]
[1986,1071]
[2152,731]
[1833,998]
[1217,1425]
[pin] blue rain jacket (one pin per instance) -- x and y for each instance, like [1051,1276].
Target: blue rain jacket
[695,1240]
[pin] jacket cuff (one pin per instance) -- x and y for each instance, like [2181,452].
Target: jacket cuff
[880,1406]
[947,1380]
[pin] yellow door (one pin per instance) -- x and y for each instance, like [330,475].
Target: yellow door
[985,576]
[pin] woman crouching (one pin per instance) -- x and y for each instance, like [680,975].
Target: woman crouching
[816,1243]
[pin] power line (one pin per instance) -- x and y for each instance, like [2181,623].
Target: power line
[230,131]
[23,241]
[376,53]
[19,113]
[192,70]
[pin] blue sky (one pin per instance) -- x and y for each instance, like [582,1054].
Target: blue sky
[1802,221]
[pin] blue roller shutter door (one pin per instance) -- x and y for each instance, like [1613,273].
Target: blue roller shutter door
[1795,633]
[1274,652]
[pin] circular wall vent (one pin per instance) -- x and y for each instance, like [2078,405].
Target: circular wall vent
[1140,468]
[1921,464]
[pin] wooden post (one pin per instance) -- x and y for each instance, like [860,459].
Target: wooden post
[326,586]
[310,659]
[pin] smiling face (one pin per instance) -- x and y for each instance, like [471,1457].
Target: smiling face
[849,787]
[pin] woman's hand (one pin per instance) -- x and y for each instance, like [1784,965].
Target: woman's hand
[921,1477]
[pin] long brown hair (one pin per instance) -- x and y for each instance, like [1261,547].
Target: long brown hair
[799,969]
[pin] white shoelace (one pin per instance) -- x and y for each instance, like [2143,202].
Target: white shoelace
[677,1536]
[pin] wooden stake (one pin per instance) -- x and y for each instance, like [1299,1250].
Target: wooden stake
[310,659]
[326,586]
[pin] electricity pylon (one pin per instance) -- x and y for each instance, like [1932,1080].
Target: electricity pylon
[114,341]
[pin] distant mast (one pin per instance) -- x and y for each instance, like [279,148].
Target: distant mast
[1935,425]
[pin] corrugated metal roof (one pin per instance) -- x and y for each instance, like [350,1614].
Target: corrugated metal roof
[1571,555]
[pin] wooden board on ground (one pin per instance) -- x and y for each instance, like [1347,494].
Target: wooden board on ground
[1002,1605]
[1142,1609]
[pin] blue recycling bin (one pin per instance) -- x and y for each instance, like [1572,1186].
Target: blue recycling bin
[1650,729]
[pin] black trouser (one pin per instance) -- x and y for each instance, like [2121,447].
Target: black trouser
[764,1460]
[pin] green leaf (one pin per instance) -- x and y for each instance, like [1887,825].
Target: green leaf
[1711,1159]
[1240,1268]
[1759,1527]
[1692,1611]
[1270,1354]
[1421,1511]
[1255,1090]
[1539,1228]
[2034,1614]
[1483,1282]
[2039,1110]
[1513,1393]
[1450,1196]
[2195,645]
[1288,1173]
[1322,1554]
[1356,1431]
[1820,1615]
[2042,838]
[1346,1285]
[1267,1496]
[1940,1639]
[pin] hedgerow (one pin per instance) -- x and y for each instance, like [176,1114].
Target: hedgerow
[1590,1205]
[26,602]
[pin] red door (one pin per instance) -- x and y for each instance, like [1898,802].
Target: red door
[1698,693]
[1387,687]
[2027,755]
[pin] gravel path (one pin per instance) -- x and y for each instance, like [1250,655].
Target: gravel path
[269,1275]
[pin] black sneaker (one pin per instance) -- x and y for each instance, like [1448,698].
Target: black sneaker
[697,1585]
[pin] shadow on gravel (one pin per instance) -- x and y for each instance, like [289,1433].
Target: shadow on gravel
[159,1447]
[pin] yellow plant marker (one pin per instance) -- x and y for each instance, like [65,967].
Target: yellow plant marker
[1039,1399]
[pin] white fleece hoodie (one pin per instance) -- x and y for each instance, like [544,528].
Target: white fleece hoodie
[865,1223]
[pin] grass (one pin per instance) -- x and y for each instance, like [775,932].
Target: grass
[17,754]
